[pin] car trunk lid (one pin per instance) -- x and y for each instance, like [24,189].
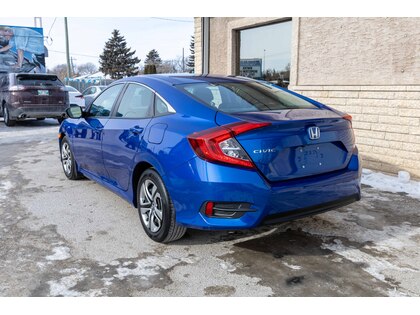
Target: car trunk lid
[288,149]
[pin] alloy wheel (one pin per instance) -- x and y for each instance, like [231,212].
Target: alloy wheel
[66,158]
[151,206]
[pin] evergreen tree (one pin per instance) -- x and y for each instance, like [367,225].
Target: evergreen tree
[117,59]
[191,57]
[150,69]
[153,58]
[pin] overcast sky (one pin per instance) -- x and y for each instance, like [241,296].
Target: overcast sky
[88,36]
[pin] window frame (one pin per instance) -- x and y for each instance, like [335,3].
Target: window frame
[236,38]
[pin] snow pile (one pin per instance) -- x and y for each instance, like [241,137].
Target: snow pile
[383,182]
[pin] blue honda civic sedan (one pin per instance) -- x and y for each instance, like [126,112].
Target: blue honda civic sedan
[212,152]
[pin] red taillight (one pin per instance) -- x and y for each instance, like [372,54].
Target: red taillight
[79,96]
[219,144]
[347,117]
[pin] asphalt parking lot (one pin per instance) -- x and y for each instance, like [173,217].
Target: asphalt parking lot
[76,238]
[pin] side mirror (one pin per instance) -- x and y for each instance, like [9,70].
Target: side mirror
[74,111]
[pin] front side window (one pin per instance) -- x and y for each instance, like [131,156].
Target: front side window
[137,102]
[237,97]
[102,105]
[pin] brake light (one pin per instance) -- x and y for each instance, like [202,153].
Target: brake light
[347,117]
[219,144]
[79,96]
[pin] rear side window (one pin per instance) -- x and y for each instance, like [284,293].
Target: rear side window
[137,102]
[102,105]
[33,80]
[233,97]
[162,108]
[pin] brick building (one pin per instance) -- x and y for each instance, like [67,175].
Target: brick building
[367,67]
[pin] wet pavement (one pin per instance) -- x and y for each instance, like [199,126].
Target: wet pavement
[76,238]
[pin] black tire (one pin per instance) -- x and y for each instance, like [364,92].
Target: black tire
[41,118]
[67,161]
[7,120]
[60,120]
[160,205]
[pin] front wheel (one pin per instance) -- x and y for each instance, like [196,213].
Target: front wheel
[68,162]
[157,213]
[7,120]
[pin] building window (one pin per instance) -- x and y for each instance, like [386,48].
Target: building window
[265,52]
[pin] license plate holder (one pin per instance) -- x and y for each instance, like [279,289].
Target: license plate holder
[43,92]
[311,156]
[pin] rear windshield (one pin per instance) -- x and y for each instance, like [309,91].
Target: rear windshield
[33,80]
[244,97]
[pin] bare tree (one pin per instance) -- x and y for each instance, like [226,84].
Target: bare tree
[60,71]
[87,68]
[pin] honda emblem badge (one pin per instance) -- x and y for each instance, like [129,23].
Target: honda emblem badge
[314,133]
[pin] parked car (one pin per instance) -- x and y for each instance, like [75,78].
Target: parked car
[75,96]
[91,92]
[211,152]
[28,95]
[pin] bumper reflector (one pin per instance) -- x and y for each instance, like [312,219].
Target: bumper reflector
[228,210]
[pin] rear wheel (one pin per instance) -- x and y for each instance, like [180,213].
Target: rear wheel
[157,213]
[6,115]
[41,118]
[68,162]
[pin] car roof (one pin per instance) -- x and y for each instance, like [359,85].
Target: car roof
[175,79]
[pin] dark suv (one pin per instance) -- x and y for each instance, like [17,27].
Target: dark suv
[29,95]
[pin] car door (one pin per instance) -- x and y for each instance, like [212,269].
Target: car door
[124,133]
[87,141]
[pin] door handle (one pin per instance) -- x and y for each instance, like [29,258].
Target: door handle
[136,130]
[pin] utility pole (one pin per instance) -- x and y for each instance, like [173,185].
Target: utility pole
[183,61]
[38,22]
[67,48]
[264,63]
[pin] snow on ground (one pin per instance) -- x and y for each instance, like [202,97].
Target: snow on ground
[394,184]
[26,133]
[4,188]
[60,253]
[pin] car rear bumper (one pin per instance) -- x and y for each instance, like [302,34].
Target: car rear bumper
[37,111]
[198,182]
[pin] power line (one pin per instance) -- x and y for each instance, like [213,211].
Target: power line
[52,25]
[49,32]
[173,20]
[82,55]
